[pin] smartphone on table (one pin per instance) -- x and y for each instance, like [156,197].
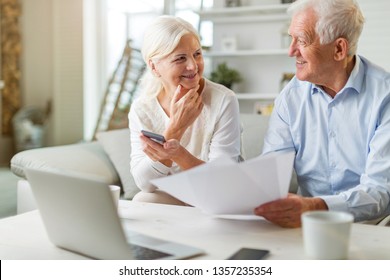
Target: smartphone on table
[154,136]
[249,254]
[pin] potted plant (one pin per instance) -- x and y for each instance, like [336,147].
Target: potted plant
[225,75]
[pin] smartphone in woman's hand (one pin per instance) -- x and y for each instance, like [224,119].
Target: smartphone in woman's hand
[154,136]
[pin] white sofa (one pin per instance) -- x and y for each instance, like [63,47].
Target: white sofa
[109,158]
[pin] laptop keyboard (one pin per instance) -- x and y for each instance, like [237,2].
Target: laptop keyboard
[143,253]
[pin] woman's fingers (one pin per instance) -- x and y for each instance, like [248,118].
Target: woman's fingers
[177,95]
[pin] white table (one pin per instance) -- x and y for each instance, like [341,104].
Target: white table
[24,236]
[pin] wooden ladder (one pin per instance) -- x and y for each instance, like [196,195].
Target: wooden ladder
[121,90]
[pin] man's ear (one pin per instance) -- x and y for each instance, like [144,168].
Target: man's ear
[341,49]
[152,66]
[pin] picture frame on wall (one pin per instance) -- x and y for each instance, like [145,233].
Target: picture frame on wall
[232,3]
[229,44]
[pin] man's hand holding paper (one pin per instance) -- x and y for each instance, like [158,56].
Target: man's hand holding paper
[225,187]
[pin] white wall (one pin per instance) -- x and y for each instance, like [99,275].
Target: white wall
[37,55]
[375,39]
[68,94]
[52,67]
[95,81]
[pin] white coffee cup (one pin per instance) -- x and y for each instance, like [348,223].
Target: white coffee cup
[115,191]
[326,234]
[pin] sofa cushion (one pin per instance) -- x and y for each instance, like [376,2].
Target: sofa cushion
[254,127]
[116,143]
[88,158]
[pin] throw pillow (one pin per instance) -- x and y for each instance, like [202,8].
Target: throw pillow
[116,143]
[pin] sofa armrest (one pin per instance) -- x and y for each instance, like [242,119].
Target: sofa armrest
[88,158]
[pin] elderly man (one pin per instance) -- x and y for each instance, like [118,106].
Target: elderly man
[335,114]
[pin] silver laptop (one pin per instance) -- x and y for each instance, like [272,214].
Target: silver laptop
[80,215]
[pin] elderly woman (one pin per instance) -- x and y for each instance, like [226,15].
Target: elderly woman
[198,118]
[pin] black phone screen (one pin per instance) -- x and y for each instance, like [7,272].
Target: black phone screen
[249,254]
[154,136]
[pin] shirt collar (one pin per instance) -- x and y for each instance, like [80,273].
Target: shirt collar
[355,80]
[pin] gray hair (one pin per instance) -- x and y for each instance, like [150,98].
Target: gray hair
[335,19]
[160,39]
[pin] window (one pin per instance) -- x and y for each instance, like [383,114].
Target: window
[128,19]
[125,20]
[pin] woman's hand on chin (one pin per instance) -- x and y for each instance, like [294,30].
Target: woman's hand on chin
[184,110]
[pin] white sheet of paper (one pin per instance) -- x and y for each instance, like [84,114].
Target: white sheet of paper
[225,187]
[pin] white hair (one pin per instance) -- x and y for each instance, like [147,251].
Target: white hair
[160,39]
[335,19]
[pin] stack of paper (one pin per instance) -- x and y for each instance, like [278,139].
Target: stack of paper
[225,187]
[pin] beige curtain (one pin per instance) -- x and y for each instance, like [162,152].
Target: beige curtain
[10,12]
